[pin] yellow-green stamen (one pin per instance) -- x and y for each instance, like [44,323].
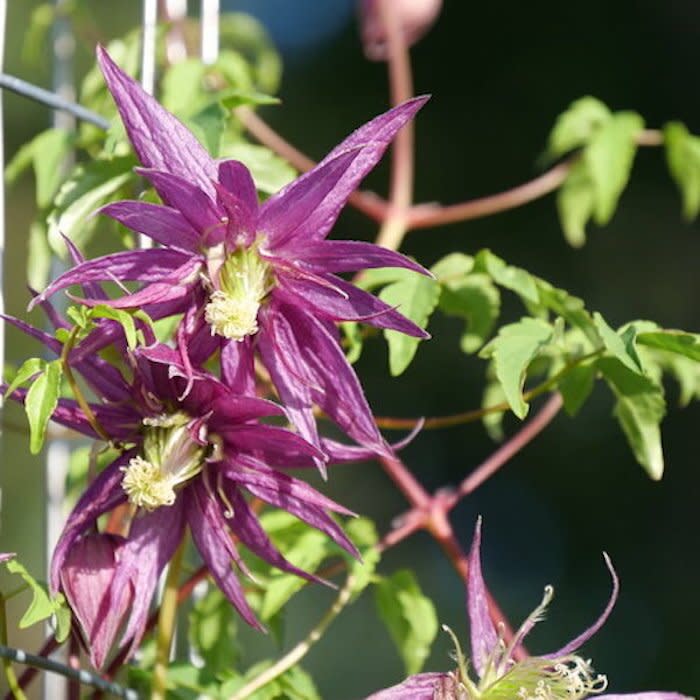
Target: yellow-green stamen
[244,280]
[169,458]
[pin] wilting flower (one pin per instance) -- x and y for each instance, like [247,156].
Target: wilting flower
[560,675]
[415,17]
[186,459]
[249,277]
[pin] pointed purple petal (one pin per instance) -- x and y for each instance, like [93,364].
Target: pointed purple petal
[289,215]
[153,539]
[201,343]
[133,265]
[582,638]
[423,686]
[483,632]
[237,366]
[164,225]
[271,445]
[103,494]
[86,576]
[320,363]
[89,289]
[236,194]
[348,256]
[339,300]
[159,139]
[236,178]
[212,539]
[194,205]
[373,137]
[247,528]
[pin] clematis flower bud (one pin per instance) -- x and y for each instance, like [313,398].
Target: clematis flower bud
[415,16]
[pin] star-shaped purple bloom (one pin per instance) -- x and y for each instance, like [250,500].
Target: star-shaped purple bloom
[186,459]
[560,675]
[253,278]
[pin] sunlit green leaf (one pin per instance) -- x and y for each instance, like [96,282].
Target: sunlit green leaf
[639,409]
[207,125]
[409,616]
[452,269]
[28,369]
[679,342]
[124,318]
[212,631]
[38,256]
[576,386]
[415,296]
[512,350]
[514,278]
[576,125]
[620,345]
[609,158]
[575,203]
[493,422]
[683,159]
[246,98]
[270,172]
[40,403]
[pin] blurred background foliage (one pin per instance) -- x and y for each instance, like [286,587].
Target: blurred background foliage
[499,74]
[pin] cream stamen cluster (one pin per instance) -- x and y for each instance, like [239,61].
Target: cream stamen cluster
[170,457]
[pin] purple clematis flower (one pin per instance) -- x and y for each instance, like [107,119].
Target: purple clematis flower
[560,675]
[185,461]
[253,278]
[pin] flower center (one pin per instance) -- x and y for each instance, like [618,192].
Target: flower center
[244,281]
[169,458]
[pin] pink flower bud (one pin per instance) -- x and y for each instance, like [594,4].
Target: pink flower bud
[415,17]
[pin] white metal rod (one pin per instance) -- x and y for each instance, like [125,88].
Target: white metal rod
[210,31]
[175,46]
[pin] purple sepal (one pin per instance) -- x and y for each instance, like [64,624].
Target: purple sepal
[423,686]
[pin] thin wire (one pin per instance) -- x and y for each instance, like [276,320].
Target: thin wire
[210,31]
[148,45]
[3,13]
[175,12]
[34,92]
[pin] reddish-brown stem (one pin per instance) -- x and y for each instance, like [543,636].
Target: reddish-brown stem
[504,453]
[73,662]
[409,486]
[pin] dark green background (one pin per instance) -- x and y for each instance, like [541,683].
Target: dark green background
[499,74]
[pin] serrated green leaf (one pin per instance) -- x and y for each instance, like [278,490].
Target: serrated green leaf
[40,403]
[233,99]
[89,187]
[514,278]
[576,386]
[639,409]
[575,204]
[28,369]
[678,342]
[687,373]
[415,297]
[512,350]
[576,125]
[477,301]
[683,160]
[124,318]
[270,172]
[409,616]
[41,606]
[363,534]
[212,631]
[493,422]
[182,87]
[307,551]
[62,617]
[609,158]
[620,345]
[453,268]
[570,308]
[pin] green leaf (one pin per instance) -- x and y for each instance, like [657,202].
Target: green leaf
[50,150]
[683,159]
[247,98]
[363,534]
[576,386]
[620,345]
[576,125]
[493,422]
[41,402]
[182,87]
[207,125]
[416,297]
[378,277]
[453,268]
[477,301]
[678,342]
[609,158]
[297,684]
[639,409]
[270,172]
[409,616]
[570,308]
[124,318]
[352,340]
[575,204]
[212,631]
[38,256]
[515,347]
[89,187]
[28,369]
[514,278]
[42,605]
[40,21]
